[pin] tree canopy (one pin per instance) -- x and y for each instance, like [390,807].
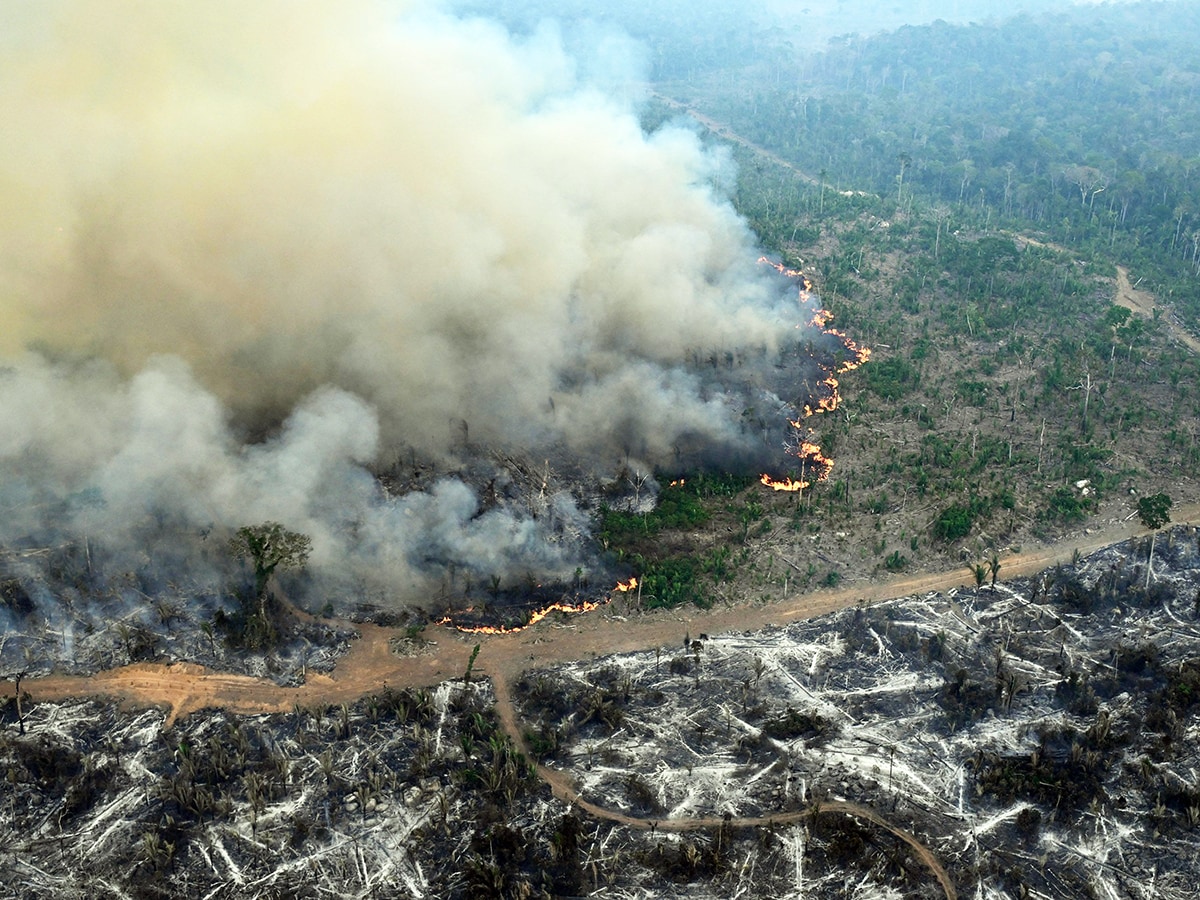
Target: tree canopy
[268,547]
[1155,510]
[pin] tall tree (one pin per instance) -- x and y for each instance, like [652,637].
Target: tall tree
[1155,512]
[268,547]
[905,161]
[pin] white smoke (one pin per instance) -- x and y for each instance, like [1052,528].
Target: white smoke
[247,253]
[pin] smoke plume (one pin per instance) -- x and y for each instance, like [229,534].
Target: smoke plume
[250,253]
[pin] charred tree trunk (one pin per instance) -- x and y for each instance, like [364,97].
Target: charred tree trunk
[20,711]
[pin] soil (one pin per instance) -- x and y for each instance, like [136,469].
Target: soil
[372,664]
[1143,303]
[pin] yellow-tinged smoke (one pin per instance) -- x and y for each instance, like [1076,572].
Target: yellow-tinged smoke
[422,211]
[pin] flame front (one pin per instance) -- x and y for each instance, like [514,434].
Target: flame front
[786,484]
[537,615]
[805,284]
[815,466]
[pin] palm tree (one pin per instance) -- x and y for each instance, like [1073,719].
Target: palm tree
[979,570]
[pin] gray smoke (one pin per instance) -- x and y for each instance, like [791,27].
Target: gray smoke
[250,254]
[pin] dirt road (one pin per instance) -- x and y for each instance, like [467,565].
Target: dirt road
[370,665]
[562,788]
[1142,303]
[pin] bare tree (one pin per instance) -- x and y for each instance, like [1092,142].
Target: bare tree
[17,693]
[1090,181]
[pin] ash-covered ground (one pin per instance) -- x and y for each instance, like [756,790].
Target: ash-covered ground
[1039,738]
[402,794]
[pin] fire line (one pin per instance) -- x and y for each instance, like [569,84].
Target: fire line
[538,615]
[814,465]
[534,617]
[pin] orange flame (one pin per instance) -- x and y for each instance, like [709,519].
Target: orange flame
[806,450]
[786,485]
[821,318]
[536,616]
[805,284]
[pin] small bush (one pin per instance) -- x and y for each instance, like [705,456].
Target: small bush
[953,523]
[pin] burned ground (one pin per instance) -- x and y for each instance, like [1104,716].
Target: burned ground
[1038,738]
[1041,736]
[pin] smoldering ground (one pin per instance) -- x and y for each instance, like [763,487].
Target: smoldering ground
[251,255]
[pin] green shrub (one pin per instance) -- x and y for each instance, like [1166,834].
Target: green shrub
[1066,505]
[892,378]
[954,522]
[670,582]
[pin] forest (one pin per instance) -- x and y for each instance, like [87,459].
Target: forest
[1081,125]
[1077,121]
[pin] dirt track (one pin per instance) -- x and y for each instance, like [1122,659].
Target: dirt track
[370,665]
[1142,303]
[560,785]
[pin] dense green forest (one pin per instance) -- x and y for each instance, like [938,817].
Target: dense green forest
[1081,125]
